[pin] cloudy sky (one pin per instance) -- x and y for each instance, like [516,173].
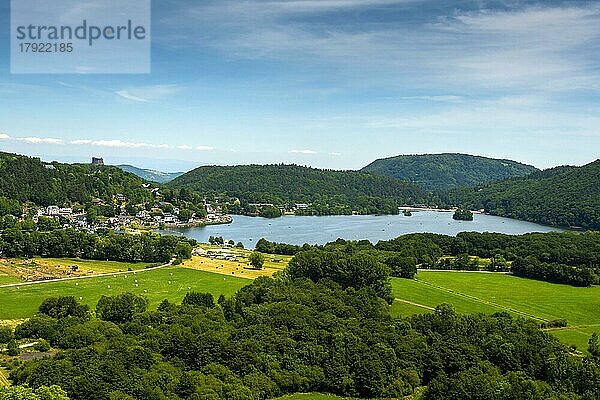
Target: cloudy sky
[328,83]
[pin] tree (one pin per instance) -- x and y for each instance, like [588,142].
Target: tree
[462,214]
[183,250]
[63,306]
[402,267]
[13,348]
[257,260]
[594,346]
[24,393]
[199,299]
[46,224]
[270,212]
[91,214]
[6,334]
[42,345]
[185,215]
[9,207]
[121,308]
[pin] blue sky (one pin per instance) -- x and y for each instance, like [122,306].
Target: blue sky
[327,83]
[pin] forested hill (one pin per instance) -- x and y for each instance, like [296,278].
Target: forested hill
[150,174]
[562,196]
[446,171]
[288,184]
[30,179]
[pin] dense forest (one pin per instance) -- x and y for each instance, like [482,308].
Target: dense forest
[435,172]
[562,196]
[33,241]
[329,192]
[27,179]
[570,258]
[294,334]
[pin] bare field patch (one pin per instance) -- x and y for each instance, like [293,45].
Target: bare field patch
[239,267]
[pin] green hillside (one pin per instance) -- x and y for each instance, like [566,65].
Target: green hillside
[446,171]
[29,179]
[332,191]
[563,196]
[150,174]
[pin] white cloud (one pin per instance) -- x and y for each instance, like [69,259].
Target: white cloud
[39,140]
[116,143]
[120,143]
[548,47]
[126,95]
[303,151]
[4,136]
[440,98]
[147,94]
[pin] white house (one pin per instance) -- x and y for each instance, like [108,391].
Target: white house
[53,211]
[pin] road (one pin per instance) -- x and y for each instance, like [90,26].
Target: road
[87,276]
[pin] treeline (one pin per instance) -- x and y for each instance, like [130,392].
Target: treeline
[102,245]
[281,336]
[27,179]
[264,246]
[570,258]
[562,196]
[346,263]
[328,191]
[531,267]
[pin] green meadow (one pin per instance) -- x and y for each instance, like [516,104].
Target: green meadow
[472,292]
[468,292]
[170,283]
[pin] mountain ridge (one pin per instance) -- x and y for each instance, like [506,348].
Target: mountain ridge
[443,171]
[151,175]
[560,196]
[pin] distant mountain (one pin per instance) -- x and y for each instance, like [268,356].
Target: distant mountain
[150,174]
[446,171]
[28,179]
[329,192]
[561,196]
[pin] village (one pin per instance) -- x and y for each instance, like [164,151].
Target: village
[154,218]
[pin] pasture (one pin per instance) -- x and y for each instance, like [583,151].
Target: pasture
[37,268]
[170,283]
[472,292]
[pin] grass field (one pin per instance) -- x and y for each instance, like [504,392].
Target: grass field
[201,274]
[489,293]
[7,279]
[170,283]
[19,270]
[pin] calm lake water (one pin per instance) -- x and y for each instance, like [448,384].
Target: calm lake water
[321,230]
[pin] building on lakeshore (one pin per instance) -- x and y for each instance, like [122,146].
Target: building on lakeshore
[53,211]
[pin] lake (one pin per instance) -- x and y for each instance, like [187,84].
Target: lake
[321,230]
